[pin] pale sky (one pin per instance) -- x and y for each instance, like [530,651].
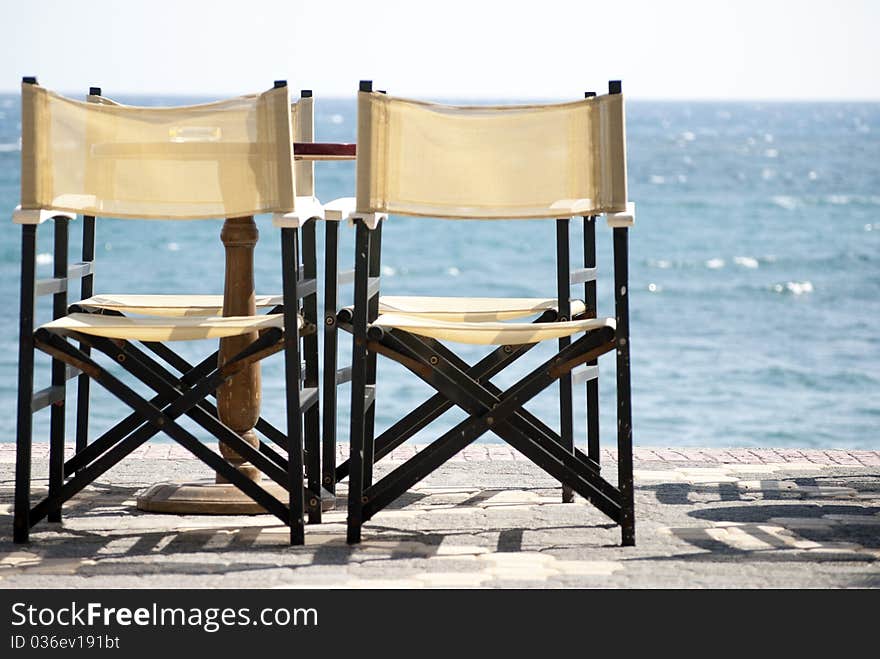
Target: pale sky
[675,49]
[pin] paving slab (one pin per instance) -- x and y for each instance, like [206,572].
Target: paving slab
[706,518]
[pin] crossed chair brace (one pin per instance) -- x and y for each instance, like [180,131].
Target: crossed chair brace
[306,292]
[550,310]
[176,395]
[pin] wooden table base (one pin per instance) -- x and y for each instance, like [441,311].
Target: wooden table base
[207,498]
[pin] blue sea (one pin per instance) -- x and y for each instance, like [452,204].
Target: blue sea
[755,274]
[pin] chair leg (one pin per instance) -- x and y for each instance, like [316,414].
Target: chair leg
[329,395]
[296,496]
[591,302]
[21,517]
[624,404]
[624,449]
[566,414]
[56,444]
[356,452]
[312,417]
[375,271]
[56,439]
[312,424]
[296,499]
[625,460]
[86,290]
[82,409]
[369,419]
[566,420]
[593,417]
[24,435]
[358,385]
[59,372]
[331,338]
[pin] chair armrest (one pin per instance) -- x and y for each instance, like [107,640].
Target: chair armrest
[339,209]
[37,215]
[370,220]
[623,219]
[306,208]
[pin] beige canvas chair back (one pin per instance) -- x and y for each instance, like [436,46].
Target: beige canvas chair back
[526,161]
[303,117]
[225,159]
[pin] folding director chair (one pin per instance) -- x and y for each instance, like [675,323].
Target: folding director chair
[303,121]
[515,162]
[474,309]
[227,159]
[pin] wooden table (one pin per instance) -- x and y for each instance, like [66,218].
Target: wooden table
[239,399]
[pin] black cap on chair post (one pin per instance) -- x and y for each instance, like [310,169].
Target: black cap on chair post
[614,87]
[305,93]
[29,80]
[366,86]
[94,91]
[279,84]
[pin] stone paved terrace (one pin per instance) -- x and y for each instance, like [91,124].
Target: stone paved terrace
[705,518]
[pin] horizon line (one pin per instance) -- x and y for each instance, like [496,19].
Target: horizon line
[504,97]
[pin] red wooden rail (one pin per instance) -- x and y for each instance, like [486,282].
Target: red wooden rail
[324,151]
